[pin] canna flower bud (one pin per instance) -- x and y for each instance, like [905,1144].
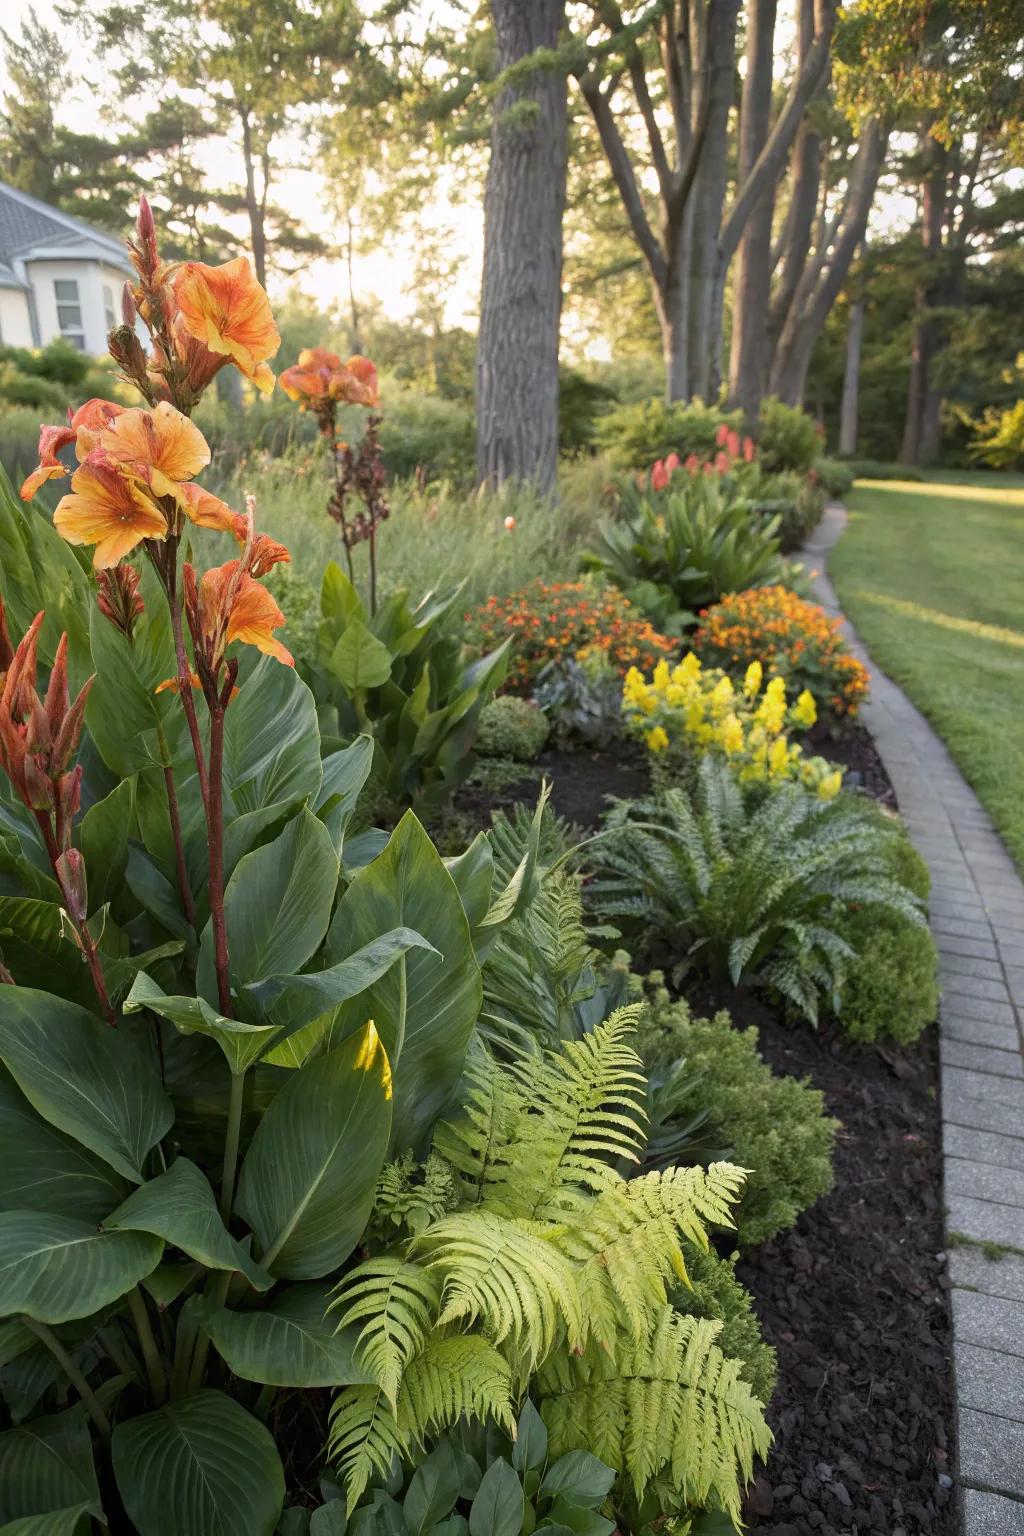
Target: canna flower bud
[146,230]
[118,598]
[70,871]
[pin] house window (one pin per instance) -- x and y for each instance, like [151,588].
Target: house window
[69,311]
[108,306]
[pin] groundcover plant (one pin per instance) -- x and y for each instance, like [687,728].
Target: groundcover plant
[226,1027]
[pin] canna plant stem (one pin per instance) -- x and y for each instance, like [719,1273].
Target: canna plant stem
[227,1187]
[85,938]
[215,832]
[46,1336]
[174,817]
[147,1343]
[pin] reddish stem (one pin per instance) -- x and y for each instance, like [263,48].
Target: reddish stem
[215,834]
[6,979]
[184,670]
[85,938]
[174,817]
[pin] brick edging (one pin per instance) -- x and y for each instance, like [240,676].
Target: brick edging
[977,918]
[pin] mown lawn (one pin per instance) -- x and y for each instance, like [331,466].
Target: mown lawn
[932,575]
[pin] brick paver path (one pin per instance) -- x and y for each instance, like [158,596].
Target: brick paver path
[977,917]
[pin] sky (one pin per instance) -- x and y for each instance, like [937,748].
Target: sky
[386,275]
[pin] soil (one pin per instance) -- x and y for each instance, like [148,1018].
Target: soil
[853,1300]
[855,750]
[582,784]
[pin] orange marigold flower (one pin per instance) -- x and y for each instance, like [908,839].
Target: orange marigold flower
[227,311]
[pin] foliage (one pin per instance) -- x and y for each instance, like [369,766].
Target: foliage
[892,992]
[745,892]
[498,1485]
[715,1293]
[710,1095]
[688,712]
[873,469]
[787,437]
[789,638]
[637,434]
[999,438]
[426,435]
[551,620]
[582,697]
[795,497]
[581,404]
[399,676]
[512,727]
[836,475]
[696,540]
[553,1272]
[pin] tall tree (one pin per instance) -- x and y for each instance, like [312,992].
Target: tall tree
[520,310]
[38,76]
[679,61]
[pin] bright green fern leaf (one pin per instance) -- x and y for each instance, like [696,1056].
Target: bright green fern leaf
[396,1304]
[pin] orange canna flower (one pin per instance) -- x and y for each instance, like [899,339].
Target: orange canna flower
[227,311]
[81,428]
[320,377]
[108,509]
[233,606]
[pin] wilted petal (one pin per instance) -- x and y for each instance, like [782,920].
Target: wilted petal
[208,511]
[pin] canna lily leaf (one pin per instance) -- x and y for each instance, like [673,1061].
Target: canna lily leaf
[289,1343]
[55,1268]
[241,1043]
[47,1474]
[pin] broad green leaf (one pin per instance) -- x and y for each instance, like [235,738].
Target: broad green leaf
[39,952]
[339,601]
[579,1518]
[242,1044]
[271,740]
[289,1342]
[169,1279]
[297,1000]
[54,1268]
[277,905]
[199,1467]
[473,873]
[497,1509]
[124,709]
[15,1339]
[294,1522]
[98,1084]
[359,660]
[579,1477]
[103,839]
[309,1177]
[26,1380]
[345,774]
[531,1447]
[38,570]
[520,889]
[58,1522]
[433,1490]
[46,1468]
[329,1519]
[179,1207]
[426,1008]
[41,1169]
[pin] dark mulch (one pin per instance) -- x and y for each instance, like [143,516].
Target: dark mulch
[853,1300]
[855,750]
[582,783]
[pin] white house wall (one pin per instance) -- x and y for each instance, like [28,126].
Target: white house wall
[90,277]
[15,319]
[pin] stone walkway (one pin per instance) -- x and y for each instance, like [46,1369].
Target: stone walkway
[977,917]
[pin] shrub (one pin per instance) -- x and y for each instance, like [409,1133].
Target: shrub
[551,620]
[999,438]
[892,991]
[875,469]
[791,639]
[787,437]
[696,540]
[749,893]
[511,727]
[582,697]
[19,442]
[687,712]
[836,475]
[703,1073]
[715,1293]
[796,499]
[634,436]
[427,435]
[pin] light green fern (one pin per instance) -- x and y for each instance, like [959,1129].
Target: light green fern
[554,1262]
[666,1402]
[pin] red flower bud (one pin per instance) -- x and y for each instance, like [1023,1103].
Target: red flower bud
[70,871]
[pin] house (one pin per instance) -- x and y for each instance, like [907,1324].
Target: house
[58,275]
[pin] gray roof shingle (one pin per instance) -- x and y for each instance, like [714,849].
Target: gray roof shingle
[26,223]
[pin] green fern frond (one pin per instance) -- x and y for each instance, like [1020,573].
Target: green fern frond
[363,1438]
[668,1404]
[476,1140]
[507,1275]
[396,1303]
[631,1243]
[463,1376]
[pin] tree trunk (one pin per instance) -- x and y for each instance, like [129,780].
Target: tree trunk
[517,348]
[821,281]
[922,418]
[715,74]
[255,207]
[851,379]
[748,356]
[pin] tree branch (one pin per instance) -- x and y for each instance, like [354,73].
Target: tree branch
[625,179]
[612,18]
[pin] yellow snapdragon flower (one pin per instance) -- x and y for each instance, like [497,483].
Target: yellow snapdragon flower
[830,785]
[656,739]
[730,734]
[752,680]
[805,711]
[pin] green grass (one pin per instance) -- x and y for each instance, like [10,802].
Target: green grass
[931,575]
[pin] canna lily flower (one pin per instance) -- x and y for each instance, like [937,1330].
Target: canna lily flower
[320,376]
[227,312]
[233,606]
[82,428]
[659,476]
[108,509]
